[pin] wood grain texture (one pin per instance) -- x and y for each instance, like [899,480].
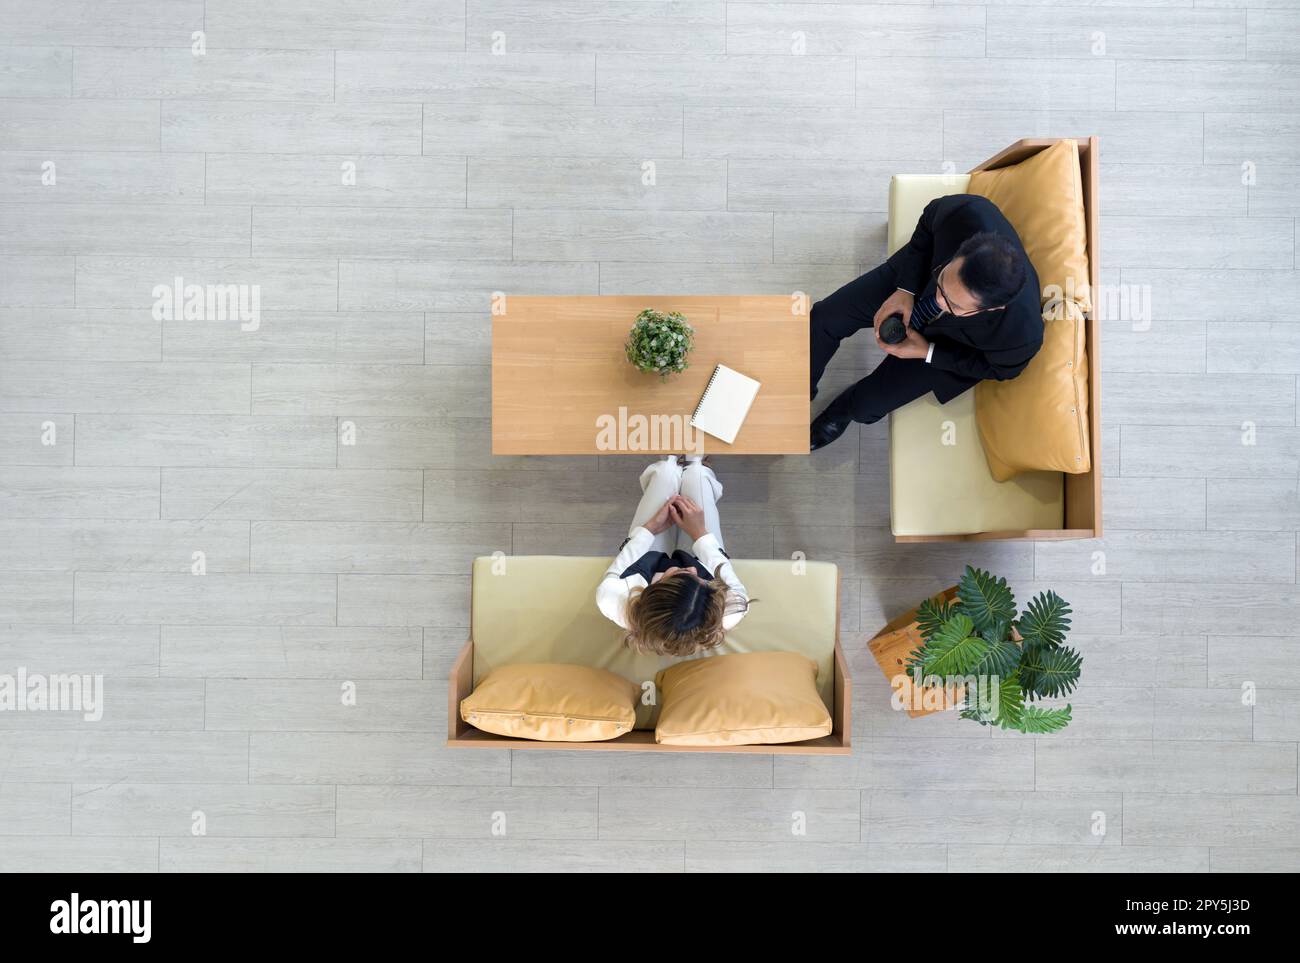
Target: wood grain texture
[558,370]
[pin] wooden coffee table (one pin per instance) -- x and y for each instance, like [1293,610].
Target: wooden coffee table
[559,375]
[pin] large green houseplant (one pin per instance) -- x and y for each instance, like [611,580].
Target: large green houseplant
[1004,661]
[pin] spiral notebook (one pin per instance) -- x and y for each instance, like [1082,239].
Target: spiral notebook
[725,403]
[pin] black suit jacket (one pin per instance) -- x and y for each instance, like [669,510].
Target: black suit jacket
[997,343]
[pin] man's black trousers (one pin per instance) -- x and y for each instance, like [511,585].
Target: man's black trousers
[896,381]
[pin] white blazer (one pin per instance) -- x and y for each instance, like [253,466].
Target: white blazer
[613,592]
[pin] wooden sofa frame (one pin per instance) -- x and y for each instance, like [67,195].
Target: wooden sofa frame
[461,735]
[1082,492]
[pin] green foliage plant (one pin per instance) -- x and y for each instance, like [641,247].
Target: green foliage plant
[659,342]
[1006,661]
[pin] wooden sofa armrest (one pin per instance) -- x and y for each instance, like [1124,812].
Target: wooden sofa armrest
[842,711]
[459,687]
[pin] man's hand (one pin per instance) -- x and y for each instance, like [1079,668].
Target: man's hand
[914,347]
[900,302]
[661,520]
[688,516]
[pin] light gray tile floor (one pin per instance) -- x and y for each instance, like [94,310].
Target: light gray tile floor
[378,175]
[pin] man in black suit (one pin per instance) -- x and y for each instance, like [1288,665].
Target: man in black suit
[970,304]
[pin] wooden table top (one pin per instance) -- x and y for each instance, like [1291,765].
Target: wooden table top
[560,376]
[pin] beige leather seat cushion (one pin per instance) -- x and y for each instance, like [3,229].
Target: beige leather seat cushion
[947,489]
[542,608]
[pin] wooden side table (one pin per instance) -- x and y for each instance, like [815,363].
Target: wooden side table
[891,648]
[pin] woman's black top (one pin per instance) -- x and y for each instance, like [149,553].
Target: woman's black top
[652,563]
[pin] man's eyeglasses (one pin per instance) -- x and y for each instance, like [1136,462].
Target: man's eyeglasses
[952,305]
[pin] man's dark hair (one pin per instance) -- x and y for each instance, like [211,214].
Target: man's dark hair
[992,268]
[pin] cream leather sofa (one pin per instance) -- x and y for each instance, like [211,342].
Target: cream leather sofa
[941,488]
[541,608]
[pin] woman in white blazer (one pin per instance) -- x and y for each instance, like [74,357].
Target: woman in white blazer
[672,585]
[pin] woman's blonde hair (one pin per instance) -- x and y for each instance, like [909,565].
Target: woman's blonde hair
[680,615]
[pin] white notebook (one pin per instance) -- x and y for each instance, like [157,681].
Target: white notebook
[725,403]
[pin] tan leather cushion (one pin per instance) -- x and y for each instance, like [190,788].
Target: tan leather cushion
[553,703]
[1039,420]
[759,698]
[1042,197]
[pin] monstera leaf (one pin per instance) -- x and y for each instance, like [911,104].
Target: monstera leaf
[1036,720]
[1047,673]
[1000,660]
[995,701]
[931,614]
[952,650]
[1044,623]
[988,601]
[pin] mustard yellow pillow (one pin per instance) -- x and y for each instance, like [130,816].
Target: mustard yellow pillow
[552,703]
[1042,197]
[1039,419]
[753,698]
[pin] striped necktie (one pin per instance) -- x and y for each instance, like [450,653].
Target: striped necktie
[925,311]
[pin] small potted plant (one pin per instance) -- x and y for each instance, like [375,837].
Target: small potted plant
[1004,661]
[659,342]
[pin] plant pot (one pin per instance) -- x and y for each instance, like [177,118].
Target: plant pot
[891,648]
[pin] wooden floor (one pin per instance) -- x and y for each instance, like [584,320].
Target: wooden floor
[333,466]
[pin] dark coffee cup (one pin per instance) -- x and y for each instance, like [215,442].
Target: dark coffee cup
[892,329]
